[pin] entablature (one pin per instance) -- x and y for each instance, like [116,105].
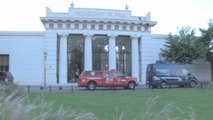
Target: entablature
[97,19]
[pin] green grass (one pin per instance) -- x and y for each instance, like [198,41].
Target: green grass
[132,105]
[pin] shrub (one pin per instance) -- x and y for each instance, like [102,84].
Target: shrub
[14,107]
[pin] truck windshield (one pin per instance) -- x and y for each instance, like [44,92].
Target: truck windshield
[119,74]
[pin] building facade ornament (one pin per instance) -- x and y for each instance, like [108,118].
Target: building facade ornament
[72,4]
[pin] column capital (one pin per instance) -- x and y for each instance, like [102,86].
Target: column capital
[112,36]
[87,35]
[134,36]
[63,35]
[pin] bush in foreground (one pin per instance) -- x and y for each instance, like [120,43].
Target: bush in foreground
[14,107]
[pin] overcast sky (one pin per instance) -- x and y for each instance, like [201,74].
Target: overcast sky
[24,15]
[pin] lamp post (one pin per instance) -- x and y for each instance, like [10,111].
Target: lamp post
[45,69]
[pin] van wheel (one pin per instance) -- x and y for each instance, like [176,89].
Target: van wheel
[192,84]
[131,85]
[91,86]
[163,84]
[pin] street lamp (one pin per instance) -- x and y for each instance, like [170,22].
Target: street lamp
[45,63]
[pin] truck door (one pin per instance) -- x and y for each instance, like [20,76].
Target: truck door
[109,78]
[119,78]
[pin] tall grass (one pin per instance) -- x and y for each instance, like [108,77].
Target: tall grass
[14,106]
[167,112]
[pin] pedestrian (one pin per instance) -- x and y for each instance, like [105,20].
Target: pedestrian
[76,75]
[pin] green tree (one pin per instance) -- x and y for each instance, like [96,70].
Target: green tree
[183,48]
[207,39]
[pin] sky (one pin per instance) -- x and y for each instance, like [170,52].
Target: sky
[24,15]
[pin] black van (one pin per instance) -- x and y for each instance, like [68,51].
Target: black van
[162,75]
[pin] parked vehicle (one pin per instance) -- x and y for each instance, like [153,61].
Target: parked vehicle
[162,75]
[6,77]
[106,78]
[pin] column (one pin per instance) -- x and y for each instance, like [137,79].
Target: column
[63,59]
[88,52]
[135,60]
[112,53]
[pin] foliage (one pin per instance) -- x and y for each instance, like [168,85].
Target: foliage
[183,48]
[206,38]
[175,104]
[14,107]
[167,112]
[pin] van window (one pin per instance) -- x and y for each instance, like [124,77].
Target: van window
[164,72]
[171,71]
[185,72]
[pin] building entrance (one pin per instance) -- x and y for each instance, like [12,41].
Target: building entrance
[75,57]
[123,55]
[100,52]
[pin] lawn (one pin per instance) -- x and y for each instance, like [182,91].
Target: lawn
[132,105]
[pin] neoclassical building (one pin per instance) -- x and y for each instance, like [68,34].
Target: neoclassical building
[84,39]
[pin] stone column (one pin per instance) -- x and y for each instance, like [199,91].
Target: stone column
[135,60]
[112,53]
[88,52]
[63,59]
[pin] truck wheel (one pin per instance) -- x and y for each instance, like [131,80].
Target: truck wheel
[91,86]
[131,85]
[163,84]
[192,84]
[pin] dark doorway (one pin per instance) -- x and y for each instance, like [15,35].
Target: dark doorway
[4,62]
[75,57]
[100,52]
[123,54]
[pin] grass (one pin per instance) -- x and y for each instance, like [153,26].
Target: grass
[159,104]
[180,104]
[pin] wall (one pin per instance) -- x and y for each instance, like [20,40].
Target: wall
[51,49]
[26,55]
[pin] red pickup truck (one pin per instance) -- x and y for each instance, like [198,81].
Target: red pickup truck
[105,78]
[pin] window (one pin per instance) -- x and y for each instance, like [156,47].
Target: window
[124,27]
[119,74]
[163,72]
[116,27]
[76,26]
[4,62]
[93,74]
[51,25]
[68,25]
[108,27]
[84,26]
[60,25]
[93,26]
[139,28]
[131,27]
[101,27]
[146,28]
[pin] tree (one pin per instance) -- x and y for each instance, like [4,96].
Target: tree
[183,48]
[207,39]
